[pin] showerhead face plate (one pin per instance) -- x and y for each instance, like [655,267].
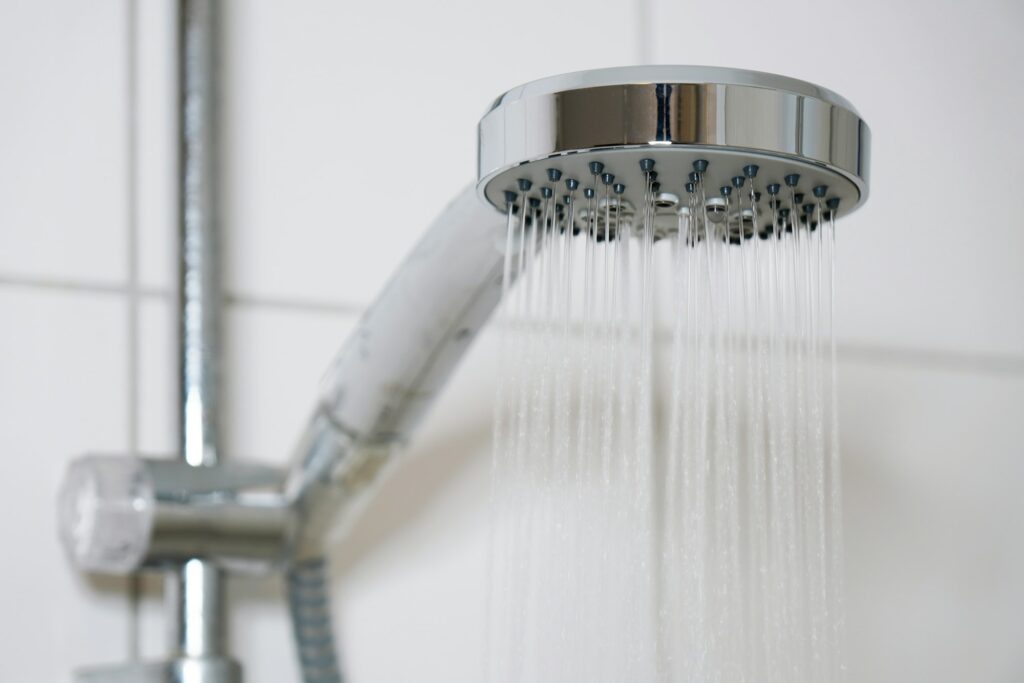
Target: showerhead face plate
[613,127]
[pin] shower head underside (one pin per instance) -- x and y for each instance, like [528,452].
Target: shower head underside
[675,138]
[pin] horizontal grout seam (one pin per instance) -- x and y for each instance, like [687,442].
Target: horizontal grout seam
[157,293]
[848,351]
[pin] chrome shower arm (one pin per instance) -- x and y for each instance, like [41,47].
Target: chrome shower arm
[393,365]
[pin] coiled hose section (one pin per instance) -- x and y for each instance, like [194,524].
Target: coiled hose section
[310,605]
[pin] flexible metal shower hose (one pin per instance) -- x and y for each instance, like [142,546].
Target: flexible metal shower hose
[310,605]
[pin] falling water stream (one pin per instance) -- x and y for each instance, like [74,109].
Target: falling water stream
[666,469]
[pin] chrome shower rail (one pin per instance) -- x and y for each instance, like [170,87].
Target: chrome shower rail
[194,591]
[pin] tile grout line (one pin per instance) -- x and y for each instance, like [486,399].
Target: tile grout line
[853,351]
[644,14]
[936,359]
[158,293]
[131,96]
[297,305]
[58,284]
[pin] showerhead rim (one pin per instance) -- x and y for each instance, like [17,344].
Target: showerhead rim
[681,74]
[720,111]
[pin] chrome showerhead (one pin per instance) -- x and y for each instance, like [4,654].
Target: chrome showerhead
[676,138]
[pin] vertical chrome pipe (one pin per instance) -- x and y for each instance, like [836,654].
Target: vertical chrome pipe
[195,596]
[195,605]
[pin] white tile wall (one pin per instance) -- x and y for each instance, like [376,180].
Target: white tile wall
[934,521]
[349,130]
[930,261]
[63,390]
[274,361]
[317,137]
[155,85]
[64,175]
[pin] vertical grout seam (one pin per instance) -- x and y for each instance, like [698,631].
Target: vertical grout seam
[131,97]
[645,17]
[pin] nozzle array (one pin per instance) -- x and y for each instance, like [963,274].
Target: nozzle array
[602,198]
